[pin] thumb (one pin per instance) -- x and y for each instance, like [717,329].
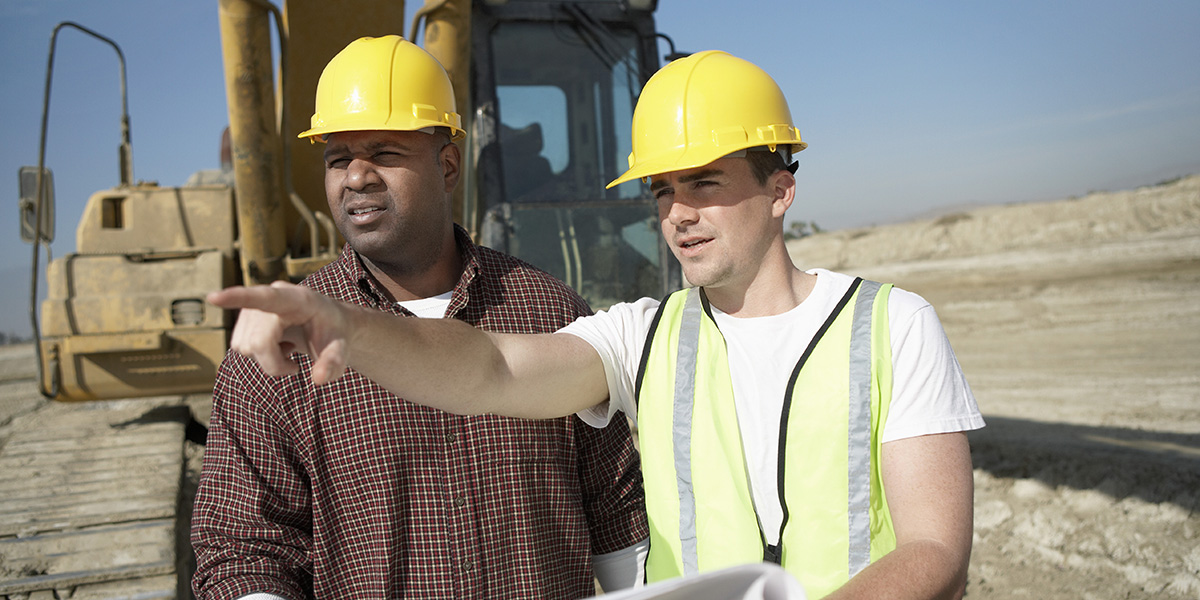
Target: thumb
[329,362]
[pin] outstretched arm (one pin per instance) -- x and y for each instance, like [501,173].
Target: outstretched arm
[443,363]
[930,492]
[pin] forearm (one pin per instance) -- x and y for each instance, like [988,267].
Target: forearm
[452,366]
[930,496]
[442,363]
[921,569]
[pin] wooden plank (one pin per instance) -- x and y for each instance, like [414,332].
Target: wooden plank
[122,438]
[85,515]
[83,462]
[18,397]
[110,475]
[76,495]
[67,559]
[88,501]
[162,587]
[36,441]
[33,482]
[74,466]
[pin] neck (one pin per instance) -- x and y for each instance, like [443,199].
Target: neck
[777,287]
[403,281]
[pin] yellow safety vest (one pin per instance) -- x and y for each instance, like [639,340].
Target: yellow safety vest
[702,518]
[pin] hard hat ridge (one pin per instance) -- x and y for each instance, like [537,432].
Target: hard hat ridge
[383,83]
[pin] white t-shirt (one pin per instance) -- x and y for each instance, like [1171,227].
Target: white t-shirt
[929,392]
[429,308]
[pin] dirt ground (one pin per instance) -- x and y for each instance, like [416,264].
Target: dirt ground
[1078,326]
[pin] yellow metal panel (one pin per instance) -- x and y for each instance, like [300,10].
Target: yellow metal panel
[317,30]
[447,37]
[111,294]
[156,219]
[185,362]
[122,342]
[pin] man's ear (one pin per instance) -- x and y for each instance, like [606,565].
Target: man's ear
[783,186]
[451,159]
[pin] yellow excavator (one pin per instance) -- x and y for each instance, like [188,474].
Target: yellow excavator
[546,90]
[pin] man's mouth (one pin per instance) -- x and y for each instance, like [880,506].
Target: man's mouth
[365,216]
[693,243]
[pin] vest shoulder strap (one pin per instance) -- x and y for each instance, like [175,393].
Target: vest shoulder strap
[641,372]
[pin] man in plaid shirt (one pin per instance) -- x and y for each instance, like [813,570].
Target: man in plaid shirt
[342,490]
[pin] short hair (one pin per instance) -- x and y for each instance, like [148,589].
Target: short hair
[442,137]
[764,163]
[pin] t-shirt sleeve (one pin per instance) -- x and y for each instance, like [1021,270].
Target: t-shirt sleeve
[930,394]
[617,335]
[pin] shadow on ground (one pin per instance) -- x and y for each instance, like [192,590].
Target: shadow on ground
[1154,466]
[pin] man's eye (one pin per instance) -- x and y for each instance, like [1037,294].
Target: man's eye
[663,192]
[336,163]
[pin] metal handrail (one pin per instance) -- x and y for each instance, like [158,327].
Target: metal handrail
[126,166]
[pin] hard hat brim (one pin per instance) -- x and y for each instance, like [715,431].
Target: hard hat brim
[318,134]
[689,160]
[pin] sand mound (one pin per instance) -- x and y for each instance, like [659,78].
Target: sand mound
[1095,218]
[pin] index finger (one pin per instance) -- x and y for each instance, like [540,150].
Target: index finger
[281,298]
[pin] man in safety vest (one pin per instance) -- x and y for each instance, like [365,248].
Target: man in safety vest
[806,418]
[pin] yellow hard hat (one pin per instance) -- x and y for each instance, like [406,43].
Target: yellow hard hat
[384,83]
[702,107]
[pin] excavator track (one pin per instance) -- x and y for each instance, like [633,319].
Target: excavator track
[92,495]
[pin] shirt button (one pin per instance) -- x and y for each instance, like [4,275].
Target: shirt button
[450,437]
[468,565]
[460,501]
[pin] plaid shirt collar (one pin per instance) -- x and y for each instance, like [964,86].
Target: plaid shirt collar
[374,295]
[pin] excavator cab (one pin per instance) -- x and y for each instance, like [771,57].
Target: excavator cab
[553,86]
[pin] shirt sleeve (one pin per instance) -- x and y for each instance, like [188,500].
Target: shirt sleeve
[610,475]
[253,513]
[930,394]
[625,568]
[614,500]
[617,335]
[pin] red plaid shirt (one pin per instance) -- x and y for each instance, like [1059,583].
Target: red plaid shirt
[348,491]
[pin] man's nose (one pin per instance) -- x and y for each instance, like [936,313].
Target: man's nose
[360,174]
[680,213]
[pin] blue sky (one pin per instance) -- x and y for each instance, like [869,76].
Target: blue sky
[909,108]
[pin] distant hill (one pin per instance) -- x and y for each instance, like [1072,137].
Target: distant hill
[1097,217]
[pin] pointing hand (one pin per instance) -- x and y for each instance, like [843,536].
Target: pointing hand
[283,318]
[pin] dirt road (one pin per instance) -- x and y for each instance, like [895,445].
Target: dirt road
[1078,326]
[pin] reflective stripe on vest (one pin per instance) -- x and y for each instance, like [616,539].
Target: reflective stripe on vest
[697,488]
